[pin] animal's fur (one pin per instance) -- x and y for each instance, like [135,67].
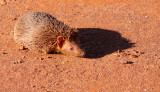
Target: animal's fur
[39,31]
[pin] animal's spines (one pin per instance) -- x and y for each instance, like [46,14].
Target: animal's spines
[39,31]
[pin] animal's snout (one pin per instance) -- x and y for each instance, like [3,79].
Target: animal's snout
[81,54]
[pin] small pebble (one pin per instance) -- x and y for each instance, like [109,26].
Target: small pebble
[116,55]
[36,58]
[124,62]
[135,52]
[33,86]
[20,61]
[140,52]
[124,54]
[127,62]
[23,56]
[14,18]
[49,57]
[133,56]
[22,48]
[56,66]
[4,53]
[28,9]
[146,16]
[130,22]
[41,58]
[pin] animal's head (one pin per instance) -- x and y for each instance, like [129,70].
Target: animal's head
[70,47]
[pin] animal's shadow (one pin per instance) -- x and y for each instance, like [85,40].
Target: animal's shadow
[100,42]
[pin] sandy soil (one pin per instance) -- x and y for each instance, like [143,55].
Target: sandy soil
[121,39]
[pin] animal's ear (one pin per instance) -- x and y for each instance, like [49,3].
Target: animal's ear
[60,41]
[59,38]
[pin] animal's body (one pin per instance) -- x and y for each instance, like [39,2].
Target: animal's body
[42,32]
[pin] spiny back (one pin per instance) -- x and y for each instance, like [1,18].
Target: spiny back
[39,30]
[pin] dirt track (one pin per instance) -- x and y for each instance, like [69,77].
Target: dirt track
[132,26]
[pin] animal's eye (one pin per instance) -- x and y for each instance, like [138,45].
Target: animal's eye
[71,48]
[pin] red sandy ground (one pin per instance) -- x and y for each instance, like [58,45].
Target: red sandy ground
[133,26]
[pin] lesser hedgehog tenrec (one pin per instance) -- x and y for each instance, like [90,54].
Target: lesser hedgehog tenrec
[42,32]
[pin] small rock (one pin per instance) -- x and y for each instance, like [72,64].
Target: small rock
[133,56]
[23,56]
[22,48]
[116,55]
[47,91]
[49,57]
[4,53]
[14,18]
[36,57]
[15,62]
[56,66]
[127,62]
[41,58]
[140,52]
[20,61]
[145,89]
[124,54]
[28,9]
[124,62]
[130,22]
[135,52]
[146,16]
[33,86]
